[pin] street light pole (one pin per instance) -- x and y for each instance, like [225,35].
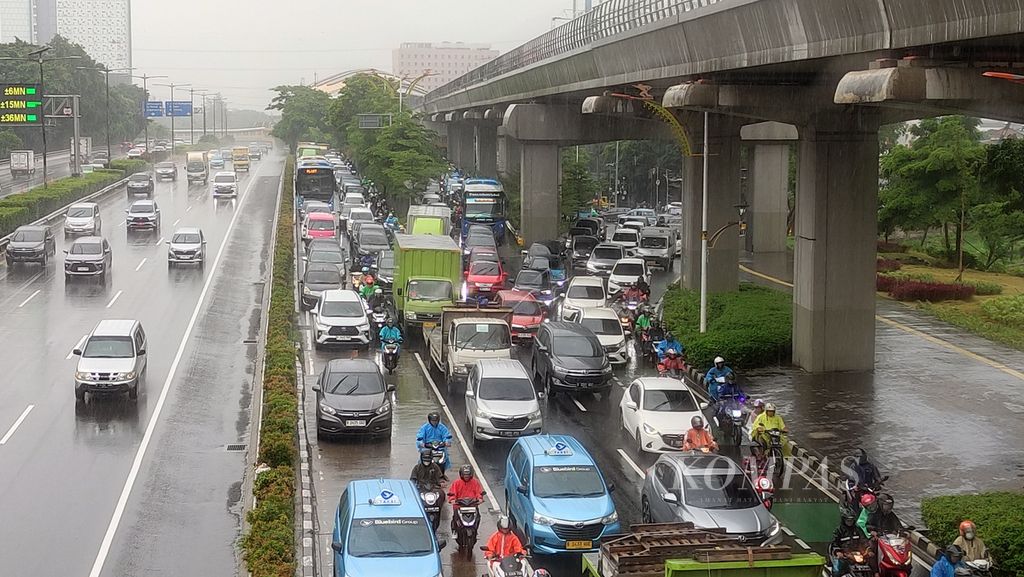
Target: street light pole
[106,80]
[191,117]
[704,235]
[172,86]
[145,94]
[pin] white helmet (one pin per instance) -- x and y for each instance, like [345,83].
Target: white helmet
[504,522]
[719,360]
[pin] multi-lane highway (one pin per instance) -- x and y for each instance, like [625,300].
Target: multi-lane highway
[114,487]
[58,166]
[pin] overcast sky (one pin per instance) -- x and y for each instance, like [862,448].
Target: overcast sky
[243,48]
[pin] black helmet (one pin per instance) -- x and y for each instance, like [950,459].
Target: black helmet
[849,516]
[426,456]
[697,422]
[862,457]
[466,471]
[434,418]
[954,551]
[887,502]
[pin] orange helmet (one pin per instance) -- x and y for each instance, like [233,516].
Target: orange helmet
[967,526]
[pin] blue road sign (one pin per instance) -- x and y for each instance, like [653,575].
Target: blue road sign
[154,109]
[177,108]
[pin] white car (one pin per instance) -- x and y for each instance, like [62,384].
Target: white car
[500,401]
[656,412]
[645,213]
[340,317]
[605,324]
[136,153]
[583,292]
[627,272]
[627,238]
[633,224]
[358,215]
[225,184]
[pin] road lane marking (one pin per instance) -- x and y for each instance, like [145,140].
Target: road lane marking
[16,424]
[160,241]
[189,208]
[458,433]
[798,540]
[787,531]
[142,262]
[176,222]
[116,296]
[579,405]
[908,329]
[140,454]
[632,464]
[30,297]
[78,345]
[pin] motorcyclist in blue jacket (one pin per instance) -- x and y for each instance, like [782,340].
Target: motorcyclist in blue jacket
[946,565]
[391,221]
[717,377]
[670,342]
[435,430]
[390,332]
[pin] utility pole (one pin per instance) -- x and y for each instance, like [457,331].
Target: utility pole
[704,235]
[172,87]
[76,152]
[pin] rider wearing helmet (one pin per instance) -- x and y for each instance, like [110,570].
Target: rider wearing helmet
[699,437]
[503,542]
[656,332]
[426,475]
[672,361]
[467,486]
[376,300]
[390,332]
[846,530]
[670,342]
[947,564]
[716,377]
[867,473]
[435,430]
[643,322]
[391,221]
[765,422]
[884,520]
[868,507]
[974,548]
[756,412]
[367,288]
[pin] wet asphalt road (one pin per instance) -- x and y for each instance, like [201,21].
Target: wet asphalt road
[65,465]
[58,166]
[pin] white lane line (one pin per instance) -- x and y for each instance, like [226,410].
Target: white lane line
[800,542]
[787,531]
[116,296]
[632,463]
[458,433]
[579,405]
[160,241]
[189,208]
[142,262]
[123,222]
[78,345]
[140,454]
[176,222]
[30,297]
[16,424]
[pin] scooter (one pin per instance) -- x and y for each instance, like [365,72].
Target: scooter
[730,417]
[466,519]
[438,453]
[511,566]
[432,500]
[894,555]
[979,567]
[389,354]
[854,561]
[775,459]
[765,490]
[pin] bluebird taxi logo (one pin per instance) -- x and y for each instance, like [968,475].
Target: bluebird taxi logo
[386,498]
[560,450]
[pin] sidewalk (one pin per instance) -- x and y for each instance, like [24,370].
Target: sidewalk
[942,413]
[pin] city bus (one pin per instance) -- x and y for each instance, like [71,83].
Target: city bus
[484,202]
[315,181]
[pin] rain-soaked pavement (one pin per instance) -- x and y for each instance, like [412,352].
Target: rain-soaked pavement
[153,476]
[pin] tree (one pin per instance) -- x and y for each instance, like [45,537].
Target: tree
[303,113]
[578,186]
[403,158]
[8,142]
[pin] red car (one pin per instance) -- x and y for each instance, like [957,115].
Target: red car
[484,276]
[527,313]
[319,225]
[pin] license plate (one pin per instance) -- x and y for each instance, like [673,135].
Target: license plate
[484,289]
[428,326]
[355,423]
[81,268]
[579,544]
[509,433]
[524,335]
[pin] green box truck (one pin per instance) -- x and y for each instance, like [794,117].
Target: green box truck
[429,220]
[428,277]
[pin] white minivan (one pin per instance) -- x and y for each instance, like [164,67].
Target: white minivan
[501,402]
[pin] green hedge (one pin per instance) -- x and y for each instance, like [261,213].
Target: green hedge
[269,545]
[751,328]
[998,516]
[128,166]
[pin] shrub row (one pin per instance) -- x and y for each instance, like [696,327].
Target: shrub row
[985,288]
[751,327]
[128,166]
[999,518]
[887,265]
[269,546]
[930,291]
[1007,310]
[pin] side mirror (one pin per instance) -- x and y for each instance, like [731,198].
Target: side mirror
[704,406]
[65,252]
[167,242]
[611,487]
[631,405]
[542,348]
[338,548]
[142,352]
[469,393]
[126,211]
[523,489]
[670,498]
[204,242]
[316,388]
[442,543]
[390,388]
[77,352]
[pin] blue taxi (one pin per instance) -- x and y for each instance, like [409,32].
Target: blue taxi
[556,495]
[380,528]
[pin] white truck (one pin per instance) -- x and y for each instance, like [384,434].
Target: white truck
[196,167]
[85,147]
[23,163]
[465,335]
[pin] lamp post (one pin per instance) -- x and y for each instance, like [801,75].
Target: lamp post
[145,94]
[202,93]
[172,86]
[106,80]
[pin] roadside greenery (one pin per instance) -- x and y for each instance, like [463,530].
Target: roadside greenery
[578,187]
[999,518]
[269,546]
[750,328]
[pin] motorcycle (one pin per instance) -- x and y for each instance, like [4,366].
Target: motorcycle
[765,490]
[730,417]
[674,369]
[466,519]
[378,317]
[979,567]
[511,566]
[389,354]
[894,555]
[853,556]
[775,459]
[438,454]
[432,500]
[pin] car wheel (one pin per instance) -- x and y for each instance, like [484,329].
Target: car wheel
[645,511]
[80,395]
[10,262]
[133,393]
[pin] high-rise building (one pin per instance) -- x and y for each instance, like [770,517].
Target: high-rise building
[102,27]
[17,21]
[445,61]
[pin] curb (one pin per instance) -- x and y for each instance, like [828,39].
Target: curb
[307,566]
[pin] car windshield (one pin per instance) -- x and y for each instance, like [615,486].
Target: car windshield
[354,199]
[527,308]
[347,309]
[537,263]
[653,242]
[590,292]
[316,207]
[584,243]
[109,348]
[186,238]
[386,261]
[390,537]
[373,237]
[430,290]
[714,490]
[80,211]
[603,326]
[479,240]
[328,256]
[669,401]
[484,268]
[321,224]
[530,278]
[224,179]
[165,165]
[323,277]
[576,346]
[354,384]
[482,337]
[624,237]
[360,215]
[139,177]
[506,389]
[86,248]
[141,208]
[607,253]
[628,269]
[567,481]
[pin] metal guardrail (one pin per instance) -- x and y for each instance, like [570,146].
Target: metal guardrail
[610,18]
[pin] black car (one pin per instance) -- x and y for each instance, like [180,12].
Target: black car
[386,270]
[581,249]
[535,282]
[568,357]
[317,279]
[369,241]
[166,170]
[140,183]
[31,243]
[595,225]
[352,399]
[87,256]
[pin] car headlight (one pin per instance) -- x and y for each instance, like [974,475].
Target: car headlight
[325,408]
[127,376]
[606,369]
[591,267]
[650,430]
[613,518]
[82,376]
[775,528]
[305,290]
[534,415]
[410,315]
[385,408]
[364,326]
[483,414]
[542,520]
[461,369]
[322,327]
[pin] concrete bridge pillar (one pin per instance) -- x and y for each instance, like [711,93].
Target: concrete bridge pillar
[539,182]
[461,146]
[485,136]
[769,210]
[509,154]
[836,229]
[723,196]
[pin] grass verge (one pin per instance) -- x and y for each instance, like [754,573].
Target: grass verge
[269,546]
[999,518]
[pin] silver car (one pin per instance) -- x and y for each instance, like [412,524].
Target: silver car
[501,402]
[112,359]
[709,491]
[187,245]
[83,218]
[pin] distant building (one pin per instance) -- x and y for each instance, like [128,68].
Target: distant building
[102,27]
[446,61]
[18,21]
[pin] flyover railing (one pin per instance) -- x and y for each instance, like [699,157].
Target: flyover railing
[610,18]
